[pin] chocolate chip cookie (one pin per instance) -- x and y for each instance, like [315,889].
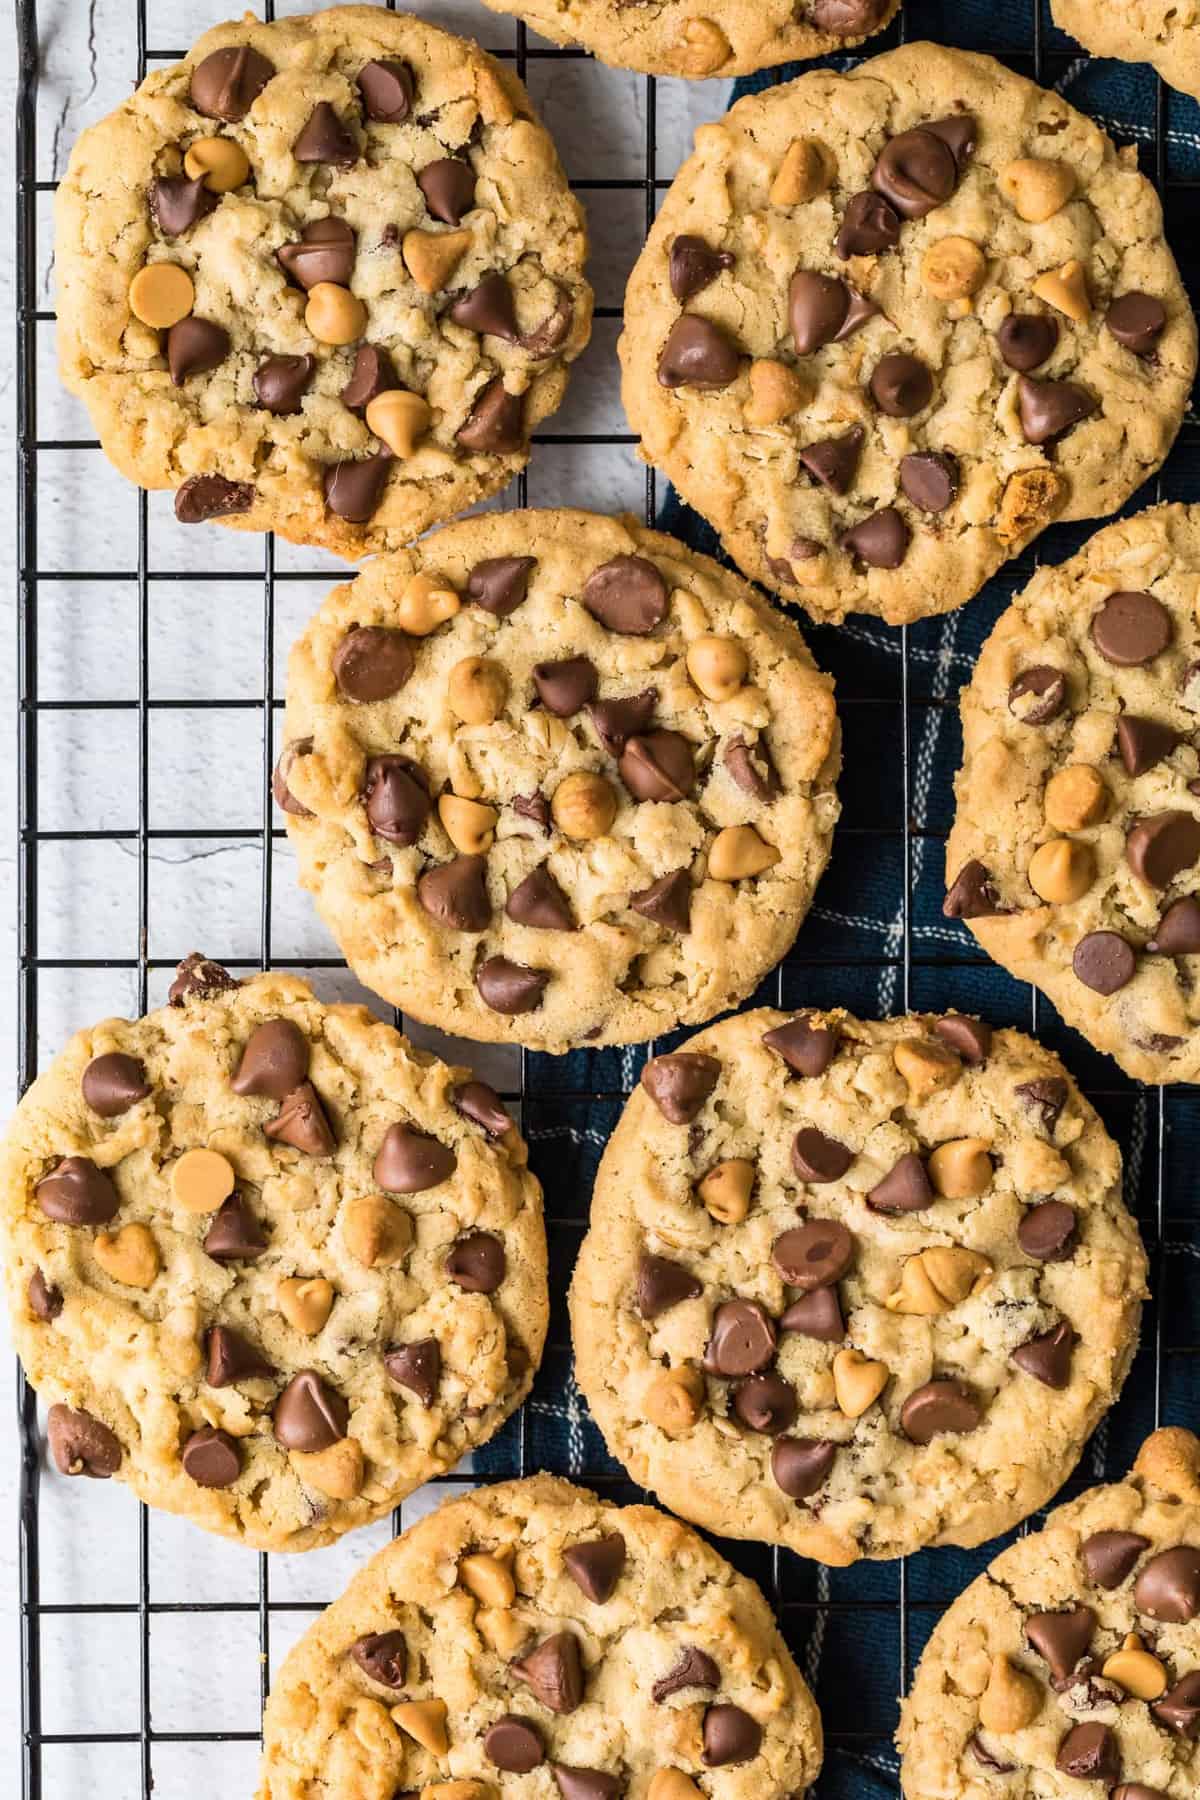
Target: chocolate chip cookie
[1072,1666]
[270,1265]
[1075,853]
[323,277]
[729,37]
[531,1630]
[1164,33]
[856,1287]
[889,324]
[557,780]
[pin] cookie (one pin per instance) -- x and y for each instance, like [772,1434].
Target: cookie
[323,277]
[730,37]
[1075,1659]
[531,1637]
[555,780]
[1160,32]
[1076,842]
[889,324]
[854,1287]
[269,1264]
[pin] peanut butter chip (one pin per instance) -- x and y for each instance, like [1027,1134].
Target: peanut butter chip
[672,1784]
[674,1400]
[161,294]
[705,47]
[477,689]
[857,1382]
[378,1233]
[201,1180]
[776,392]
[1136,1670]
[470,826]
[1066,290]
[1032,497]
[805,172]
[739,852]
[1061,871]
[427,602]
[926,1067]
[726,1190]
[425,1721]
[960,1169]
[222,162]
[953,268]
[333,314]
[1011,1699]
[1074,797]
[305,1304]
[399,420]
[938,1279]
[336,1471]
[1036,187]
[488,1579]
[129,1255]
[431,257]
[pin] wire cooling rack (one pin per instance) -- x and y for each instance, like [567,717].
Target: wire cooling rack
[876,942]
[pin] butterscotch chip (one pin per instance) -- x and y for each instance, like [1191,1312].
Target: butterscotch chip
[202,1179]
[1061,871]
[857,1381]
[425,1721]
[399,419]
[1011,1699]
[1037,187]
[1066,290]
[336,1471]
[432,257]
[488,1579]
[305,1304]
[333,314]
[674,1400]
[426,602]
[221,161]
[739,852]
[953,268]
[926,1066]
[469,824]
[1135,1670]
[727,1188]
[378,1233]
[961,1168]
[477,690]
[1075,797]
[161,294]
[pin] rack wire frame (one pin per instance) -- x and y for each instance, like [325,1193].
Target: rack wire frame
[1034,56]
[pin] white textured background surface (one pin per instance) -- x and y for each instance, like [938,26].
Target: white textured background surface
[205,770]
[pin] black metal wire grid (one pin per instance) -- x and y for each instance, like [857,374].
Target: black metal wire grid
[812,1606]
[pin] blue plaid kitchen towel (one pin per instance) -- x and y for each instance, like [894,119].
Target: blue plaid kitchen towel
[857,1633]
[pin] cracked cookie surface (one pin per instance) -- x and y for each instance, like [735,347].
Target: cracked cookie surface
[556,779]
[729,37]
[1074,1660]
[1164,33]
[1073,857]
[531,1638]
[856,1287]
[271,1266]
[323,277]
[888,325]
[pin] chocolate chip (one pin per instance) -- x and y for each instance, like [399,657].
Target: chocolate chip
[662,1284]
[1160,847]
[680,1083]
[383,1655]
[834,461]
[1049,409]
[742,1340]
[847,18]
[323,252]
[1104,961]
[970,1037]
[1137,321]
[510,987]
[698,354]
[881,540]
[929,479]
[280,383]
[212,1458]
[309,1416]
[228,82]
[396,797]
[616,721]
[325,139]
[45,1300]
[801,1466]
[1178,931]
[939,1407]
[417,1367]
[972,894]
[282,793]
[1110,1557]
[817,1158]
[274,1060]
[194,347]
[1047,1096]
[915,171]
[1168,1588]
[1025,340]
[1143,742]
[456,893]
[495,425]
[371,663]
[500,583]
[692,265]
[904,1189]
[814,1254]
[301,1122]
[76,1192]
[658,766]
[534,807]
[488,309]
[565,687]
[554,1672]
[410,1161]
[1048,1357]
[477,1263]
[667,901]
[730,1736]
[824,310]
[545,338]
[1131,629]
[1179,1708]
[232,1357]
[817,1315]
[235,1235]
[1038,695]
[354,489]
[751,768]
[586,1784]
[199,978]
[514,1744]
[373,374]
[901,386]
[869,226]
[539,903]
[693,1668]
[387,90]
[595,1567]
[204,497]
[178,203]
[985,1759]
[806,1048]
[81,1444]
[449,188]
[112,1083]
[1089,1753]
[765,1403]
[1047,1232]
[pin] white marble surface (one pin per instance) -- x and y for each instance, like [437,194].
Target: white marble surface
[205,770]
